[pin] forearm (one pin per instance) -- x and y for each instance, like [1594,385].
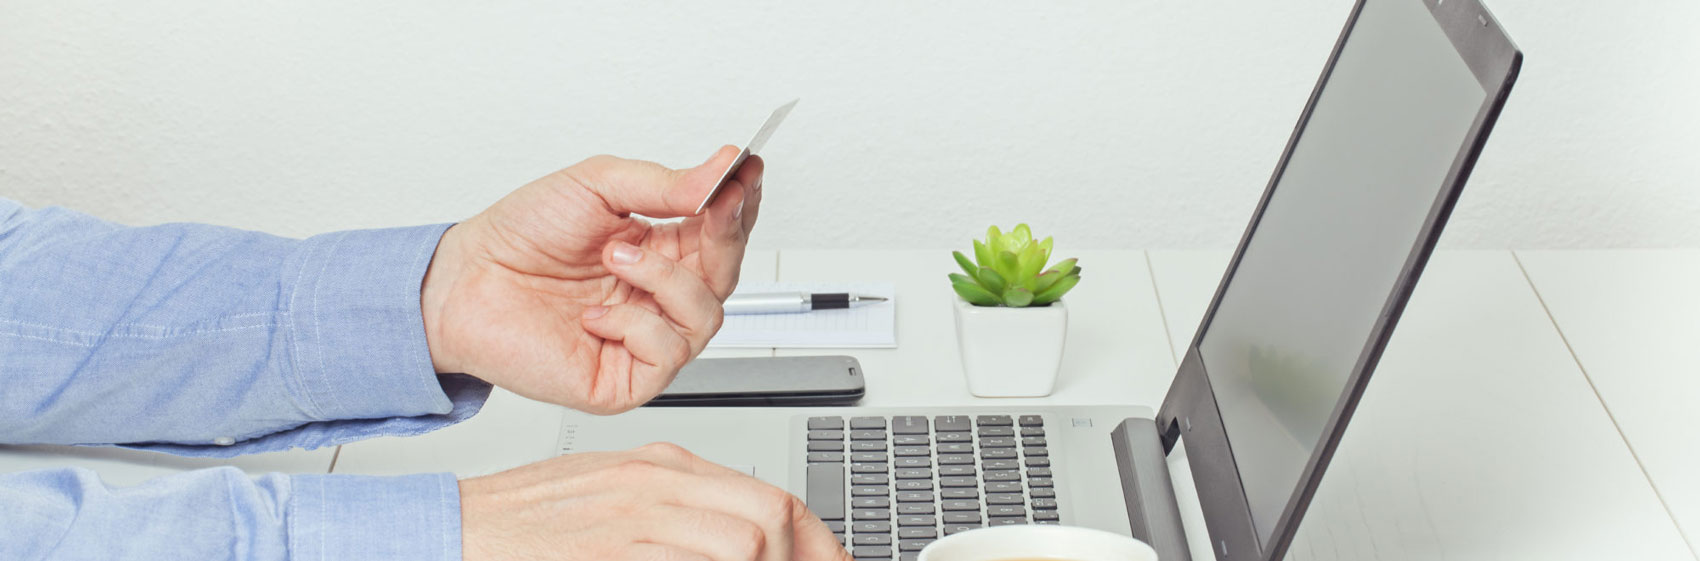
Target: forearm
[182,336]
[223,514]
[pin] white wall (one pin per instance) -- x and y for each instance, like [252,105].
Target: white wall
[1111,124]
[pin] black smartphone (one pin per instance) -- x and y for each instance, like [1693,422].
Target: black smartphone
[757,381]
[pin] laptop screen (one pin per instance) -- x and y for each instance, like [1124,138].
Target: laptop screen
[1341,220]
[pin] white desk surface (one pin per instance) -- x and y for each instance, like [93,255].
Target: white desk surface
[1632,318]
[1477,438]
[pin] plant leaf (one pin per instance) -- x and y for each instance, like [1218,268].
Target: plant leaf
[1032,261]
[959,277]
[962,261]
[1023,234]
[991,280]
[1065,266]
[1046,246]
[975,295]
[1017,297]
[1045,281]
[1056,291]
[992,236]
[1008,265]
[983,255]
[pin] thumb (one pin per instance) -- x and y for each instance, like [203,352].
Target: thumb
[648,188]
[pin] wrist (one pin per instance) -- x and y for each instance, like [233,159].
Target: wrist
[435,291]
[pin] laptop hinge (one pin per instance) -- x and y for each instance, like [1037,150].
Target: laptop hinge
[1149,495]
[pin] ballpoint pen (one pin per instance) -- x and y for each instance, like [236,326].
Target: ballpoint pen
[794,302]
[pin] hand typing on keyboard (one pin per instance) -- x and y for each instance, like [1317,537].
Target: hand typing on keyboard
[559,294]
[655,502]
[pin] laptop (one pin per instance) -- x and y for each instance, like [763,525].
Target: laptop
[1262,397]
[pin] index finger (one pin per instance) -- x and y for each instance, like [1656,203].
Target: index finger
[647,188]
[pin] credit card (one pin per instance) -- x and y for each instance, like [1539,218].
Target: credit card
[754,146]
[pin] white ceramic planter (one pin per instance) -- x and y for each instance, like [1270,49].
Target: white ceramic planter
[1011,352]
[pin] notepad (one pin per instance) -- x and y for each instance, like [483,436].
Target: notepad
[872,326]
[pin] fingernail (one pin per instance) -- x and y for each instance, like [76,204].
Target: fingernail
[626,254]
[738,215]
[594,312]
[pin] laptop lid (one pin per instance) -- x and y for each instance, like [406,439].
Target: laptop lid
[1379,156]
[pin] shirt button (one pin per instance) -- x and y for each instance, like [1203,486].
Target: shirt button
[224,441]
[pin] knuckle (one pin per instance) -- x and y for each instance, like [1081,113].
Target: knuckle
[666,451]
[750,540]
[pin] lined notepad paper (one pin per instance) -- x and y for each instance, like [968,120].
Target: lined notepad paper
[872,326]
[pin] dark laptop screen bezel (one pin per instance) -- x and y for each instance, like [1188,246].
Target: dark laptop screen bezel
[1190,409]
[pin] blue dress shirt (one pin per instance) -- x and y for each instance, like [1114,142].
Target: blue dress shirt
[207,341]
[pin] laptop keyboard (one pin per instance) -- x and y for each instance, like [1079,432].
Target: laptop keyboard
[888,486]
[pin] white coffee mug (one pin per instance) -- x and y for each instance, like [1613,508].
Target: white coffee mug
[1045,542]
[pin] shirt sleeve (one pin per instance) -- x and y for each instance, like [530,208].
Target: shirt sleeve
[210,341]
[221,513]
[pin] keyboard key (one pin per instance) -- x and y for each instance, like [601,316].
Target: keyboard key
[1039,482]
[869,490]
[1032,421]
[952,423]
[911,440]
[1004,499]
[960,505]
[919,520]
[840,538]
[864,445]
[958,482]
[956,470]
[909,425]
[826,435]
[1037,462]
[870,514]
[1003,487]
[1042,493]
[960,493]
[870,527]
[867,435]
[836,457]
[1036,452]
[915,508]
[826,446]
[1039,472]
[1006,510]
[1002,464]
[996,431]
[1044,515]
[944,437]
[959,528]
[867,422]
[868,457]
[1047,522]
[912,545]
[870,502]
[912,533]
[956,448]
[1032,431]
[1007,521]
[1044,504]
[994,421]
[825,490]
[912,451]
[961,518]
[826,423]
[1002,475]
[914,484]
[909,556]
[837,526]
[871,551]
[914,496]
[922,462]
[998,442]
[987,454]
[871,539]
[914,473]
[868,479]
[956,459]
[1032,441]
[867,468]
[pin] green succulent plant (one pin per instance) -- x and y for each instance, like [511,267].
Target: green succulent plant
[1009,270]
